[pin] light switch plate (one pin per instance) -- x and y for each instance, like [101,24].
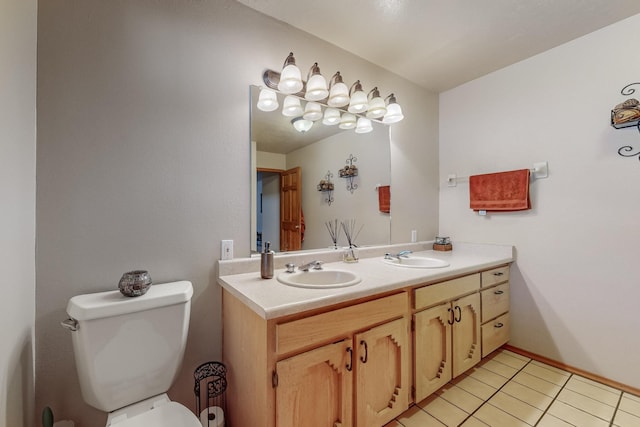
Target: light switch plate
[226,250]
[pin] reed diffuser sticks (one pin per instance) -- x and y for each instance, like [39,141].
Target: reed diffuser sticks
[334,231]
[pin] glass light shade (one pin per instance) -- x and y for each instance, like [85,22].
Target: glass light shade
[358,103]
[331,117]
[316,88]
[376,108]
[338,95]
[364,125]
[312,111]
[347,121]
[267,101]
[291,107]
[301,125]
[393,115]
[290,80]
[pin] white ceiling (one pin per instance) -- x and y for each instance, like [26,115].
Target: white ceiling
[440,44]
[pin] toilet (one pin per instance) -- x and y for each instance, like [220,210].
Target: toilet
[128,352]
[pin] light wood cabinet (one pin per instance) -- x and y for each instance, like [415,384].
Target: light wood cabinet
[382,373]
[313,386]
[348,366]
[446,341]
[495,296]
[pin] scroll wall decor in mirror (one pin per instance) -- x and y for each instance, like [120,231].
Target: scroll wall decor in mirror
[279,153]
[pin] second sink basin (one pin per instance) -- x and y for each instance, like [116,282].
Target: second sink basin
[417,262]
[319,279]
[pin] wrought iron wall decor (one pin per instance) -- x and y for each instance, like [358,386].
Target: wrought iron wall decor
[326,186]
[626,115]
[349,172]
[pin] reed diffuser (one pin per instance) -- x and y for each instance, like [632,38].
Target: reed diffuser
[350,253]
[334,232]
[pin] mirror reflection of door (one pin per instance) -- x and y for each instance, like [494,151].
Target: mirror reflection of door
[278,209]
[291,210]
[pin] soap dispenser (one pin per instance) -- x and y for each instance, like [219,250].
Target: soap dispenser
[266,262]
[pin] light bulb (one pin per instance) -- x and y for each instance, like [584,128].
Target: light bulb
[331,117]
[291,107]
[364,125]
[347,121]
[267,101]
[312,111]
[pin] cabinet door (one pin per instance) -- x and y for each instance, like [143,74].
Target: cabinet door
[466,333]
[315,388]
[432,349]
[382,390]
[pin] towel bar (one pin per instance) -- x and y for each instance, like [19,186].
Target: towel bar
[540,170]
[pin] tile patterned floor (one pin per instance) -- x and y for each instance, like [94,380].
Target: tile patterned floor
[510,390]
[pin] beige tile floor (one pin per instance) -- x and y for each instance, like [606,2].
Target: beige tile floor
[510,390]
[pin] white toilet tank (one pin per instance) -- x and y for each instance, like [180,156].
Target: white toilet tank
[129,349]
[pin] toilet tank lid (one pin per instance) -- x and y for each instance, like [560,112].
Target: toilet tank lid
[113,303]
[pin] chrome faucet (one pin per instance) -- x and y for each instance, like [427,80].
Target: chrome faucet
[317,265]
[400,254]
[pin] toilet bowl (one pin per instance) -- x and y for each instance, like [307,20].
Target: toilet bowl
[157,411]
[128,352]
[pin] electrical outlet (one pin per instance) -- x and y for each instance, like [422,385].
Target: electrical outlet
[226,249]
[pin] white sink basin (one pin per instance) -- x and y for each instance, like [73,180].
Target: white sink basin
[319,279]
[417,262]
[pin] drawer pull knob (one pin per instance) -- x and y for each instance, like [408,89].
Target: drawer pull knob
[499,292]
[498,325]
[498,273]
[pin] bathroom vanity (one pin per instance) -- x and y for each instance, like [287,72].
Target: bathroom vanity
[359,355]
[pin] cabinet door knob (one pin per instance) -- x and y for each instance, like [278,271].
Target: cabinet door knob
[459,318]
[451,316]
[350,361]
[364,358]
[498,325]
[499,292]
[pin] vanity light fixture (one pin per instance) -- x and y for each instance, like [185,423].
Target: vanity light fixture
[376,108]
[268,100]
[331,116]
[338,92]
[312,111]
[301,124]
[347,121]
[291,107]
[394,111]
[342,105]
[363,125]
[316,85]
[290,77]
[358,102]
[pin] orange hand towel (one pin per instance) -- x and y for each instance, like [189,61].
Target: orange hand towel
[502,191]
[384,198]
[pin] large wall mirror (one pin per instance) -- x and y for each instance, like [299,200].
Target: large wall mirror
[287,167]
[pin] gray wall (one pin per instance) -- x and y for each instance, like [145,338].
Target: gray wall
[17,209]
[143,158]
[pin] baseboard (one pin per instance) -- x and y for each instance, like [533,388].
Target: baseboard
[568,368]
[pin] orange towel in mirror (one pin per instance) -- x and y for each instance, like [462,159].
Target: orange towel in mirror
[384,198]
[501,191]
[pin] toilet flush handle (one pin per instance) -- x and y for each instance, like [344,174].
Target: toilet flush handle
[71,324]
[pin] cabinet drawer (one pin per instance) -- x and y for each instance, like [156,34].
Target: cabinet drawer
[495,333]
[495,301]
[495,276]
[306,332]
[440,292]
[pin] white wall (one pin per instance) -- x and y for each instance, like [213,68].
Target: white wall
[17,209]
[143,158]
[575,285]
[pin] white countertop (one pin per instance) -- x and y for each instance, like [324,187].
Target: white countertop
[271,299]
